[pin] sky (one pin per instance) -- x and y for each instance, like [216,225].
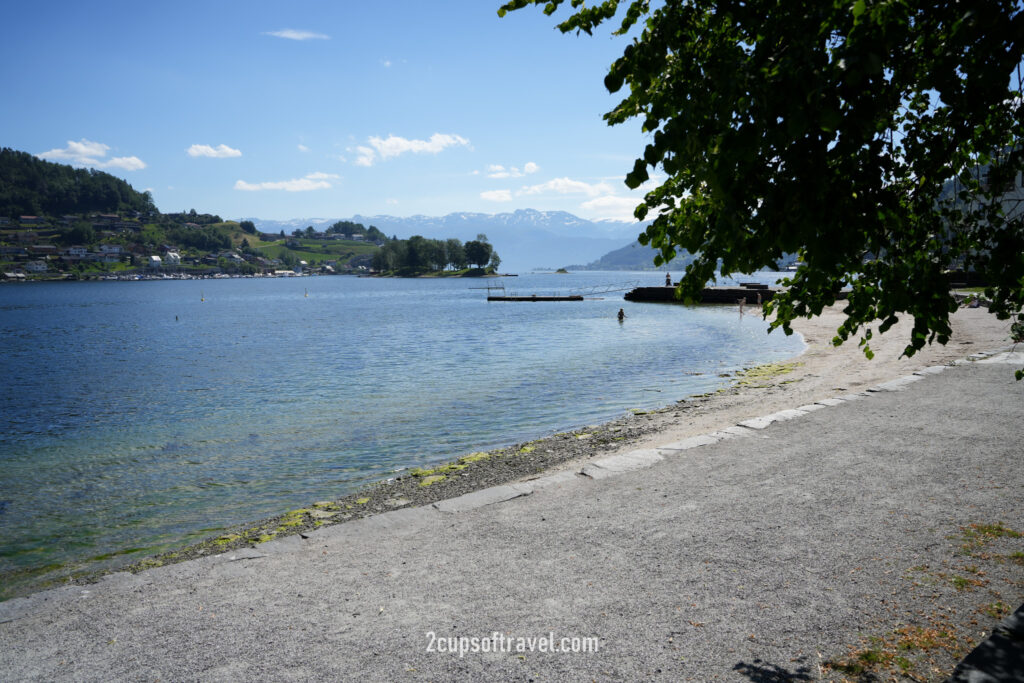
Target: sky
[321,108]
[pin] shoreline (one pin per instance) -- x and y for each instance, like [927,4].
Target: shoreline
[820,371]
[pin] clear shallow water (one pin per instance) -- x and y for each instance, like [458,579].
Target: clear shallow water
[137,417]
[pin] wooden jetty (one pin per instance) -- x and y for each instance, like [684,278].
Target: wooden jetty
[751,293]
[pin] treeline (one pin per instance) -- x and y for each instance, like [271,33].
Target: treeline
[420,254]
[191,216]
[371,234]
[30,186]
[206,238]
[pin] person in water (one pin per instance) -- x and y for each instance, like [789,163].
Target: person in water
[622,315]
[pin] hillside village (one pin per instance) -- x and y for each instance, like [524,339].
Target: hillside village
[131,245]
[58,222]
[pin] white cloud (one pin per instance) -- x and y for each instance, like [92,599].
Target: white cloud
[567,186]
[497,195]
[218,152]
[392,202]
[125,163]
[303,148]
[366,156]
[612,207]
[499,171]
[393,146]
[386,63]
[89,153]
[313,181]
[292,34]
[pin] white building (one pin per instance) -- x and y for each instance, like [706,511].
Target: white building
[155,262]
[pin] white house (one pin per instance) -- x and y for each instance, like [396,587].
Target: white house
[111,249]
[36,266]
[172,258]
[155,262]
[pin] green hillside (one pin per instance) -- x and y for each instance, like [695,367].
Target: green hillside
[633,256]
[30,186]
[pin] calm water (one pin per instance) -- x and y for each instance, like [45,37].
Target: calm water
[136,416]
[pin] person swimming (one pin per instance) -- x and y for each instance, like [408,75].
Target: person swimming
[622,315]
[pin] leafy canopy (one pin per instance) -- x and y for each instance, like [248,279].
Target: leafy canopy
[872,138]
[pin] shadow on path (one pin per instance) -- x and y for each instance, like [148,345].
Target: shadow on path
[763,672]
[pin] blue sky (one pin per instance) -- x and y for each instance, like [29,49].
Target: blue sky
[316,108]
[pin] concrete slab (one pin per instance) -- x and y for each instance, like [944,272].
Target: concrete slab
[617,464]
[757,422]
[1007,357]
[898,384]
[734,431]
[557,479]
[478,499]
[687,444]
[765,420]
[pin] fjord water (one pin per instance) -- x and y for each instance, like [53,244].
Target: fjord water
[139,416]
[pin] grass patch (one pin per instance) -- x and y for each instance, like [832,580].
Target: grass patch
[761,376]
[907,649]
[975,537]
[997,610]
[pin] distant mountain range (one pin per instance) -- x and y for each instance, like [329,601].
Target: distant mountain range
[525,239]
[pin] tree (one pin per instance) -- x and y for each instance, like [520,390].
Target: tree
[455,253]
[80,233]
[873,139]
[495,262]
[248,226]
[478,252]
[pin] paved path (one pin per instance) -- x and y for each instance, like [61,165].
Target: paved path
[751,554]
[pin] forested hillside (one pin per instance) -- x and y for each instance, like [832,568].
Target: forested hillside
[33,187]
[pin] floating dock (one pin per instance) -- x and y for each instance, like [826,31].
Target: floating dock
[534,297]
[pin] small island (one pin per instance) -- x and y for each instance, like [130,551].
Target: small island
[422,257]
